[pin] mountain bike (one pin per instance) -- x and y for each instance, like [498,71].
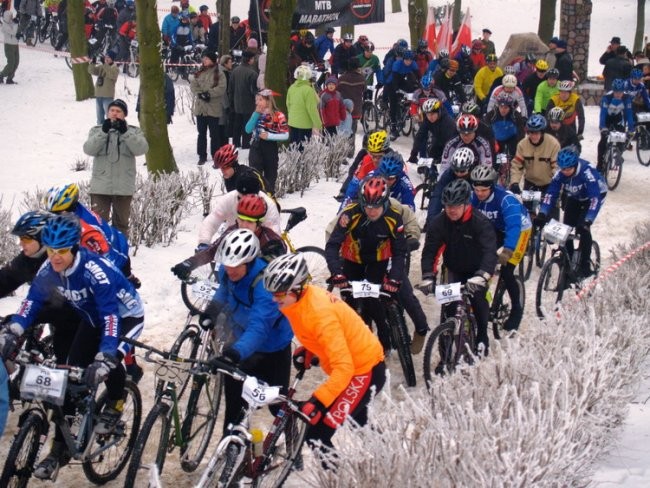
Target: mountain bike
[132,67]
[453,342]
[49,28]
[188,63]
[244,455]
[616,143]
[500,303]
[502,166]
[642,138]
[368,112]
[427,167]
[45,387]
[166,426]
[398,334]
[561,271]
[536,247]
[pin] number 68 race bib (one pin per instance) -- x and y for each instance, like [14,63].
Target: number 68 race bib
[45,384]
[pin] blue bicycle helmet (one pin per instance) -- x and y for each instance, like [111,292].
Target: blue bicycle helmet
[392,164]
[408,54]
[536,123]
[636,74]
[426,80]
[567,158]
[31,224]
[618,85]
[61,231]
[402,43]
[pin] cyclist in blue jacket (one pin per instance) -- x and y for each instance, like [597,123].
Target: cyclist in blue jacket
[513,227]
[615,114]
[585,191]
[109,308]
[262,335]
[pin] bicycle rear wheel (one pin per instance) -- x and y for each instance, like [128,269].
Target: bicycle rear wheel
[282,453]
[421,204]
[316,263]
[550,286]
[106,463]
[407,123]
[614,167]
[526,264]
[23,451]
[401,341]
[198,295]
[643,146]
[541,247]
[368,117]
[440,352]
[595,257]
[150,447]
[502,305]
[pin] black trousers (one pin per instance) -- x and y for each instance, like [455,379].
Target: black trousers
[203,124]
[239,136]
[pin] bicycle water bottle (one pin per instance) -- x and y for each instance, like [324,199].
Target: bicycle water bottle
[257,441]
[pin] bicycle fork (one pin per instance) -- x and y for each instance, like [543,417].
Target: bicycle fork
[233,448]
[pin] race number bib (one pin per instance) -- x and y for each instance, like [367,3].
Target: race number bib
[557,232]
[448,293]
[531,196]
[205,289]
[365,289]
[46,384]
[259,394]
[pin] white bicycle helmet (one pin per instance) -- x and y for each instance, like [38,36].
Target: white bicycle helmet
[565,85]
[239,247]
[509,81]
[285,273]
[302,72]
[462,160]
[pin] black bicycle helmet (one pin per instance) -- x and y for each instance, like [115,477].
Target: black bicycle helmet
[457,192]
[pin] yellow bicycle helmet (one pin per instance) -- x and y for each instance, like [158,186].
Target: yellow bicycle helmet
[378,141]
[541,65]
[61,198]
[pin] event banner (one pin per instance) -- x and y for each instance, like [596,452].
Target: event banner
[322,13]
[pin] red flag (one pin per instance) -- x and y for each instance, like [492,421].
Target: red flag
[443,40]
[430,30]
[464,36]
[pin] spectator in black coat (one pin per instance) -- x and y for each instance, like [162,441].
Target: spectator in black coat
[241,95]
[617,67]
[563,61]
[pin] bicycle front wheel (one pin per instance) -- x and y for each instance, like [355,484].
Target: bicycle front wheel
[150,448]
[109,453]
[197,296]
[223,468]
[595,257]
[282,453]
[550,287]
[368,117]
[316,264]
[643,146]
[541,247]
[502,305]
[614,169]
[421,204]
[186,346]
[401,341]
[22,454]
[526,264]
[407,124]
[440,352]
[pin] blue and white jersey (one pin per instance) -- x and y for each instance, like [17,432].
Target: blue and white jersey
[507,214]
[98,291]
[616,111]
[585,184]
[638,91]
[118,254]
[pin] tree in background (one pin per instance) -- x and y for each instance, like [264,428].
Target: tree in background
[640,18]
[546,24]
[417,20]
[223,17]
[277,62]
[397,6]
[458,15]
[153,115]
[83,82]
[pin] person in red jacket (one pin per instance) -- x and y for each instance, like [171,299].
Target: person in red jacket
[204,17]
[332,108]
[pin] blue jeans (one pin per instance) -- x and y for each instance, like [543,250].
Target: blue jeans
[102,108]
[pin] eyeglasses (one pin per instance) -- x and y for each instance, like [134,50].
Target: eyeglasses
[26,239]
[61,252]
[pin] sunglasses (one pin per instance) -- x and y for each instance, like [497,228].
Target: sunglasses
[26,239]
[281,295]
[61,252]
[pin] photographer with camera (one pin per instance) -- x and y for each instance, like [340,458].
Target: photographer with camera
[107,72]
[114,145]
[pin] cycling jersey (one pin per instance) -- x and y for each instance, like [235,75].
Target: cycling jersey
[102,238]
[508,127]
[479,146]
[94,287]
[255,321]
[573,110]
[506,213]
[616,112]
[326,326]
[516,94]
[537,164]
[440,132]
[639,94]
[586,184]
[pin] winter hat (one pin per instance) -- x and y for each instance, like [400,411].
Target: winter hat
[211,55]
[121,104]
[332,79]
[252,43]
[554,40]
[615,40]
[488,31]
[561,43]
[247,184]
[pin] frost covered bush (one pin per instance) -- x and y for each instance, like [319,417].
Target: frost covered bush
[33,200]
[161,203]
[538,412]
[320,157]
[80,164]
[8,245]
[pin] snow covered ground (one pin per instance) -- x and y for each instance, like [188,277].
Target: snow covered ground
[43,130]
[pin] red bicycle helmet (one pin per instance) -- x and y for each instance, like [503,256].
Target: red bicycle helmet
[467,123]
[252,208]
[374,192]
[225,156]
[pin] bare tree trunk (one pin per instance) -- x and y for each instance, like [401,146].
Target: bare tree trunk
[417,20]
[153,114]
[458,6]
[396,6]
[546,19]
[277,62]
[83,82]
[640,17]
[223,16]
